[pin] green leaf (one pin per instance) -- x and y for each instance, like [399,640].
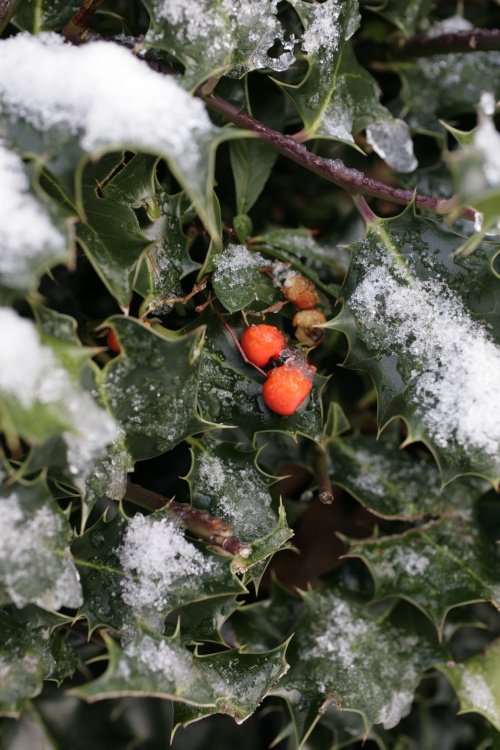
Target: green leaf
[444,565]
[407,16]
[33,233]
[237,280]
[153,402]
[230,390]
[202,621]
[110,234]
[340,652]
[475,682]
[48,400]
[417,322]
[149,664]
[145,567]
[213,37]
[154,114]
[41,15]
[252,163]
[29,654]
[391,482]
[35,562]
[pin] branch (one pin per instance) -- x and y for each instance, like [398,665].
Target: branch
[351,180]
[201,523]
[7,10]
[76,30]
[460,41]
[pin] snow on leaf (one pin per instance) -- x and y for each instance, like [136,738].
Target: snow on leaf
[65,101]
[237,276]
[35,562]
[410,316]
[392,142]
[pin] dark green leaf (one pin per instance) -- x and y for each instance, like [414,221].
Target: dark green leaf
[237,280]
[417,322]
[154,402]
[145,567]
[252,163]
[442,566]
[407,16]
[202,621]
[45,15]
[340,652]
[213,37]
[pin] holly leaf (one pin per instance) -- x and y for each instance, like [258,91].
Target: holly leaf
[202,621]
[33,232]
[212,39]
[391,482]
[408,17]
[152,665]
[341,653]
[230,390]
[414,318]
[66,129]
[30,652]
[154,404]
[237,280]
[35,562]
[475,682]
[145,567]
[36,16]
[444,565]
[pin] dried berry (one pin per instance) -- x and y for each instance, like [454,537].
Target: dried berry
[300,291]
[304,322]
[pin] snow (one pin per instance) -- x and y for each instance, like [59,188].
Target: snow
[155,557]
[451,25]
[28,238]
[101,93]
[392,142]
[218,32]
[47,387]
[323,32]
[31,567]
[478,694]
[232,261]
[487,142]
[156,656]
[448,360]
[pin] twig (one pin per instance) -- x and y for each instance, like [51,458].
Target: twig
[460,41]
[325,491]
[7,10]
[351,180]
[76,30]
[200,522]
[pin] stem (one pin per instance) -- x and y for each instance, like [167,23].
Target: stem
[76,30]
[325,491]
[351,180]
[7,10]
[200,522]
[460,41]
[364,209]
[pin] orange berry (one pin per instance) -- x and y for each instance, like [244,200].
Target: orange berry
[300,291]
[288,386]
[262,343]
[112,342]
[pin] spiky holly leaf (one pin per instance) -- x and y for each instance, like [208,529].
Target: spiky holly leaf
[35,561]
[342,653]
[145,567]
[230,390]
[154,403]
[213,38]
[149,664]
[33,233]
[237,280]
[391,482]
[443,565]
[475,682]
[30,652]
[202,621]
[338,97]
[79,118]
[424,325]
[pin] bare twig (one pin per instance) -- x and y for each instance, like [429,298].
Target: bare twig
[325,491]
[203,524]
[7,10]
[76,30]
[460,41]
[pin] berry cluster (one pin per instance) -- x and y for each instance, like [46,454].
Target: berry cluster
[290,377]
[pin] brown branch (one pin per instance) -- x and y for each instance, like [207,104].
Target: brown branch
[460,41]
[200,522]
[351,180]
[76,30]
[7,10]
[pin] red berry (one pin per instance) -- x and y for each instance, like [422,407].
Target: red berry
[288,386]
[112,342]
[262,344]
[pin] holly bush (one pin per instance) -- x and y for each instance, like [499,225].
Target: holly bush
[173,546]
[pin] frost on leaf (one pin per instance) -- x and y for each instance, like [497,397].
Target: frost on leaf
[35,563]
[392,142]
[29,239]
[215,38]
[46,401]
